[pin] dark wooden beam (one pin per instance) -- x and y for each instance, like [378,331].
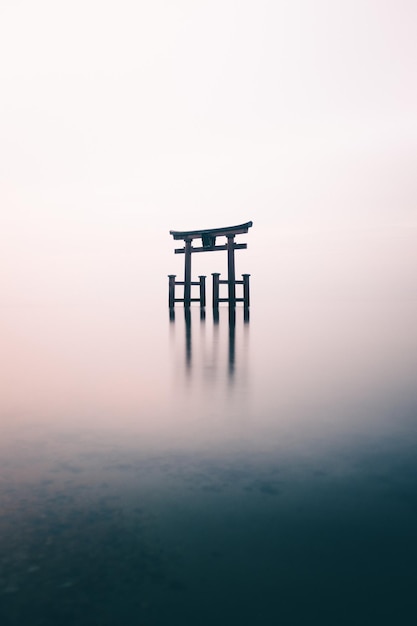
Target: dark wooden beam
[236,246]
[188,235]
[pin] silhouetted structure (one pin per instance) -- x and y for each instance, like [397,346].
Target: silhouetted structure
[208,239]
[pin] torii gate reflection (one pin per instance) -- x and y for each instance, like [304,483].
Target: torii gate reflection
[231,348]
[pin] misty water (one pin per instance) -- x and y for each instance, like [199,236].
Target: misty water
[202,470]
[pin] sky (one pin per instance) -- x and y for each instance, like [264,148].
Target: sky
[122,120]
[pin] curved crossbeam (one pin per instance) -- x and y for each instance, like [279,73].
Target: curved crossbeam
[187,235]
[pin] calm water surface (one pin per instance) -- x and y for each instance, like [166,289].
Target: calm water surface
[209,471]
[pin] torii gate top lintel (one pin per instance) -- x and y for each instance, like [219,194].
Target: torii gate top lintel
[188,235]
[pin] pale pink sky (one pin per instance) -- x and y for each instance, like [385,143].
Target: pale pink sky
[121,120]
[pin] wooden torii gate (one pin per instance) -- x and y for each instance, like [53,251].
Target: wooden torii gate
[208,239]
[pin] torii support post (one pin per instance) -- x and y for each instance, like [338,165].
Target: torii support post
[202,291]
[246,300]
[171,295]
[216,288]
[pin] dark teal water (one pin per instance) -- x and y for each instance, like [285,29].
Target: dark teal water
[200,471]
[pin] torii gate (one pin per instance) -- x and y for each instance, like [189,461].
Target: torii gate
[208,238]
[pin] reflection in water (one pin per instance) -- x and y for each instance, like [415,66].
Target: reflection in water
[228,316]
[196,477]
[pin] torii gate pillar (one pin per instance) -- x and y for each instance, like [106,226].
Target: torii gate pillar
[187,274]
[231,275]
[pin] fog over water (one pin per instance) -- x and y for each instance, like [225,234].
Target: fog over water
[190,469]
[153,469]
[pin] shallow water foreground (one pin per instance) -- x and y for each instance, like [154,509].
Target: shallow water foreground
[209,471]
